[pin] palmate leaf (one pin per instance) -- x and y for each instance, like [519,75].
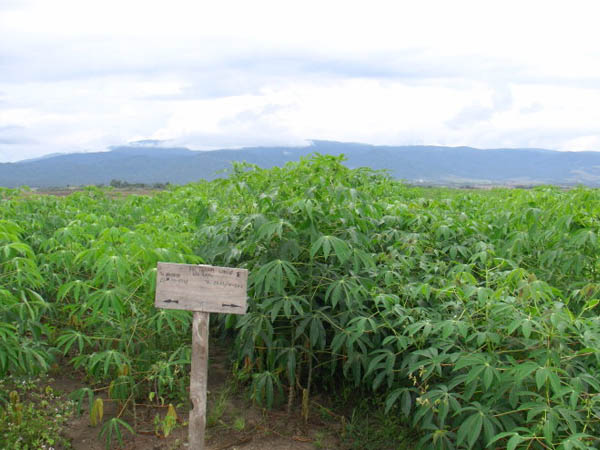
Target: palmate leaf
[275,228]
[175,320]
[541,375]
[88,258]
[325,243]
[111,269]
[70,337]
[8,226]
[13,249]
[481,368]
[299,304]
[271,306]
[577,441]
[265,387]
[470,429]
[255,329]
[430,363]
[79,395]
[76,288]
[102,363]
[288,357]
[423,327]
[24,272]
[148,280]
[523,370]
[514,438]
[7,300]
[273,277]
[346,289]
[308,208]
[112,429]
[406,400]
[32,358]
[584,237]
[113,234]
[316,331]
[9,350]
[359,325]
[108,301]
[289,305]
[400,342]
[354,365]
[383,363]
[121,387]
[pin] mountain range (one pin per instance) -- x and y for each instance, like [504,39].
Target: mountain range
[416,164]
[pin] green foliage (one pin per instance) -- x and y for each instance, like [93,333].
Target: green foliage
[22,309]
[472,315]
[112,430]
[369,427]
[32,416]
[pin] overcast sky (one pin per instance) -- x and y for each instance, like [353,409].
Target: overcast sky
[84,75]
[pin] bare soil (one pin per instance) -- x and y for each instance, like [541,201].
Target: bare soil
[233,422]
[114,193]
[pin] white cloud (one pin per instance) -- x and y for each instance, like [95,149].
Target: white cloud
[80,76]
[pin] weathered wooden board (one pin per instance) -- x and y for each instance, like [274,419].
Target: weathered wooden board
[201,288]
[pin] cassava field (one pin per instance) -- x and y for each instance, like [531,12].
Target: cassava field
[469,317]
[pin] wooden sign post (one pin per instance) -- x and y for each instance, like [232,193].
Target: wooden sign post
[202,289]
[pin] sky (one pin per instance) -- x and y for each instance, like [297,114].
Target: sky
[84,75]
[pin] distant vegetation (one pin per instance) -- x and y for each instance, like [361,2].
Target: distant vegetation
[470,316]
[125,185]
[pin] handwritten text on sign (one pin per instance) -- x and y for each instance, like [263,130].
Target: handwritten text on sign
[201,288]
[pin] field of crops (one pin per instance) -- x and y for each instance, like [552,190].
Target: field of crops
[472,316]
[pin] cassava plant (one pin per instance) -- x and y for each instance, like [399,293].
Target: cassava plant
[473,315]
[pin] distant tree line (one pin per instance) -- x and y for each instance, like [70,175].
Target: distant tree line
[124,184]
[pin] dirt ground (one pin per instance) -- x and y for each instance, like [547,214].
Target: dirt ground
[233,422]
[114,193]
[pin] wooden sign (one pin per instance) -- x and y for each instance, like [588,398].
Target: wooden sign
[202,289]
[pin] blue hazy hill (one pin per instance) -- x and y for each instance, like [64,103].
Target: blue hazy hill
[423,164]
